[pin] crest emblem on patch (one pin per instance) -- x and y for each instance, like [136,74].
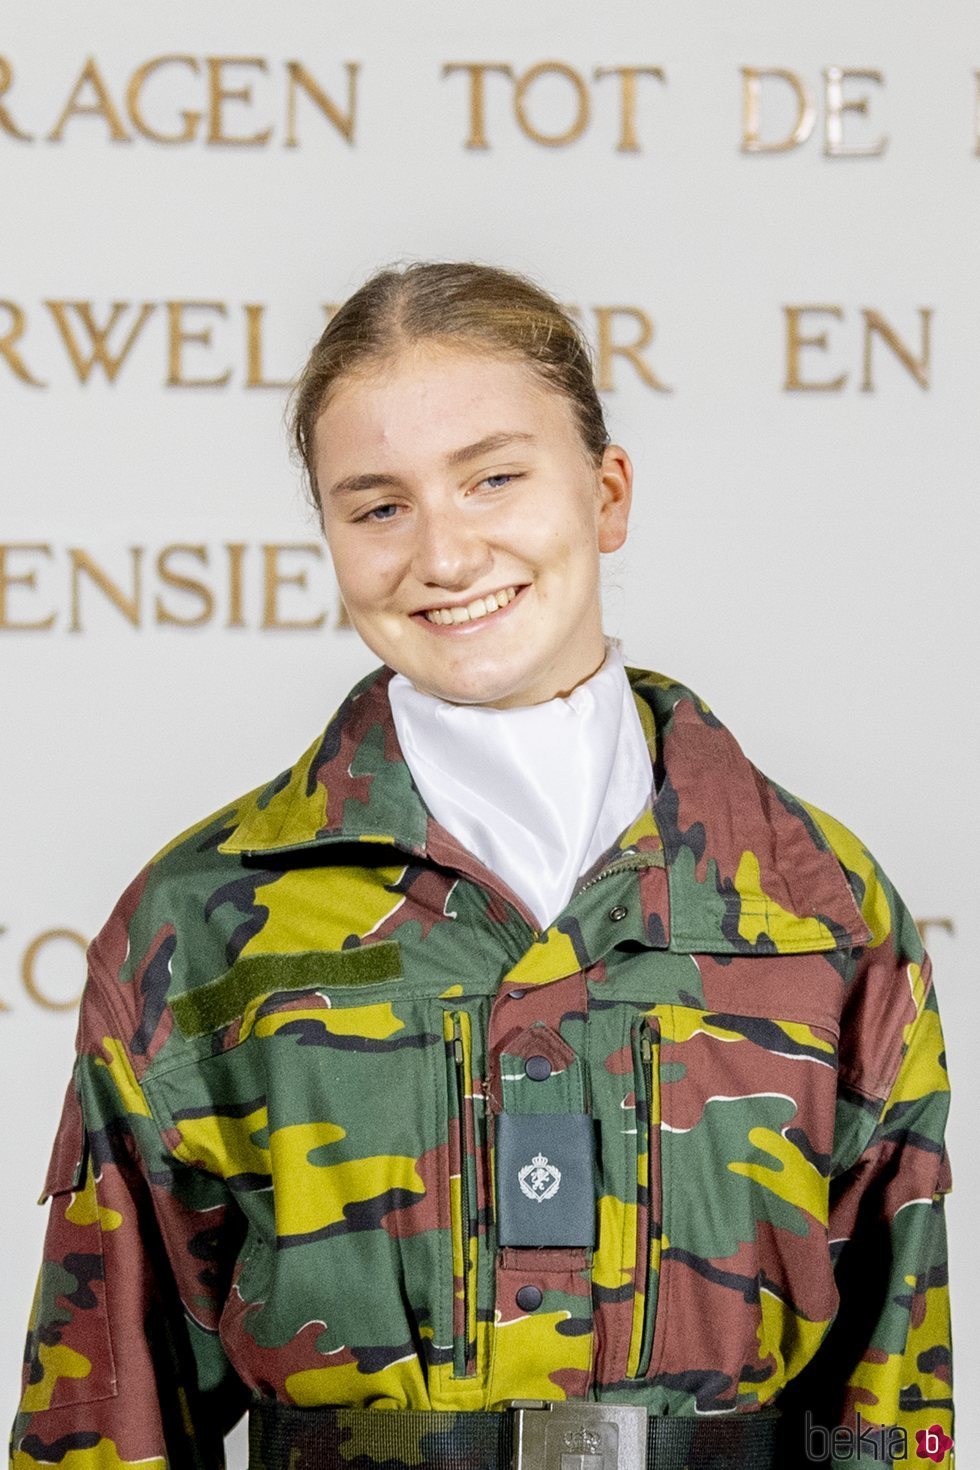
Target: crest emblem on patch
[539,1180]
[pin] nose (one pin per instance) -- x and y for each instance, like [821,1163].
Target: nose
[448,551]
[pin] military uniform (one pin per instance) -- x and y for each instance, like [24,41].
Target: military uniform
[345,1129]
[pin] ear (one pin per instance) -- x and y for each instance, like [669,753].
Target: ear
[615,489]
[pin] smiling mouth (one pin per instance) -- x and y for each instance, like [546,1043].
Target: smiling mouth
[480,607]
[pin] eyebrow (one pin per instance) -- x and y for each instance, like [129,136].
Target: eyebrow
[489,444]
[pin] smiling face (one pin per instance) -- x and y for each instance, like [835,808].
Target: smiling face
[465,521]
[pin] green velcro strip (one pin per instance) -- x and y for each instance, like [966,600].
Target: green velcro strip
[199,1011]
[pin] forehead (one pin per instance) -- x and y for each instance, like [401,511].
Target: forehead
[431,398]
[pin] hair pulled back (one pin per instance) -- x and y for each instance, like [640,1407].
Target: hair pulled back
[461,304]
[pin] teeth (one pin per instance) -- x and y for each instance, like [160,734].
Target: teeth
[480,607]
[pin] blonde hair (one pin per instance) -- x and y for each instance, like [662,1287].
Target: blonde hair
[459,303]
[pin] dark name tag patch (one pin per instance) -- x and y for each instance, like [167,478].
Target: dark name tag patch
[545,1179]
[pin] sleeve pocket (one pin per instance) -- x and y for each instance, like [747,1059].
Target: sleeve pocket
[69,1156]
[944,1182]
[69,1357]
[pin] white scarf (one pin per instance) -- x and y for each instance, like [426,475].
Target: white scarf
[537,792]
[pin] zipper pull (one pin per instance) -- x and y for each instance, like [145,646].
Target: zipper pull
[646,1046]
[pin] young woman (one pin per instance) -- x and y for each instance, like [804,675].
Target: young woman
[520,1042]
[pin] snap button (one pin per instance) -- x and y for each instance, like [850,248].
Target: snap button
[517,994]
[529,1298]
[618,913]
[537,1068]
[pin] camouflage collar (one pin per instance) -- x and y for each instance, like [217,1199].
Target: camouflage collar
[747,865]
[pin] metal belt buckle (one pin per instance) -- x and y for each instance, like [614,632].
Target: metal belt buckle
[578,1436]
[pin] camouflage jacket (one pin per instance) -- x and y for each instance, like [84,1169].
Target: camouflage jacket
[276,1170]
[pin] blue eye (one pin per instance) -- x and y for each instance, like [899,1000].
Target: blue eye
[495,481]
[377,514]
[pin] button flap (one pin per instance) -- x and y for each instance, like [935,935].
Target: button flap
[69,1156]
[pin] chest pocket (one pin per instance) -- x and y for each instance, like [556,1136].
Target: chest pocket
[734,1132]
[342,1113]
[715,1083]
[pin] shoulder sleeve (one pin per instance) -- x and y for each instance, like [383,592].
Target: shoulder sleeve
[879,1389]
[123,1362]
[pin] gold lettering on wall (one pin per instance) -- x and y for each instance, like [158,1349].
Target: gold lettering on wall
[579,95]
[608,348]
[300,79]
[918,367]
[945,923]
[275,578]
[236,557]
[806,113]
[8,341]
[99,104]
[26,579]
[477,71]
[580,119]
[191,581]
[129,606]
[219,92]
[186,584]
[179,336]
[101,340]
[6,121]
[756,80]
[221,89]
[98,336]
[837,105]
[254,371]
[797,339]
[219,108]
[28,968]
[629,141]
[3,1004]
[191,120]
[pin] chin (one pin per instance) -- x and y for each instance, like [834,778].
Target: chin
[467,693]
[473,687]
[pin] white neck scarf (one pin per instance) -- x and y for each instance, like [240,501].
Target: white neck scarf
[536,792]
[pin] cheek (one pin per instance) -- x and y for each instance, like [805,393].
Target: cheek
[364,571]
[571,539]
[574,561]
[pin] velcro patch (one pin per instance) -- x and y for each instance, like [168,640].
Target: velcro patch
[223,1000]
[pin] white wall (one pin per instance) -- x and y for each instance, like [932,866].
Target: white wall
[805,559]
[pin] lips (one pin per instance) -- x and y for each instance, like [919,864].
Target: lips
[480,607]
[453,622]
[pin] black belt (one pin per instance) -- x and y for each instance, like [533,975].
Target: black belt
[571,1435]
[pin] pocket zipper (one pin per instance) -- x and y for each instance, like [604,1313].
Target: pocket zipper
[646,1275]
[461,1210]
